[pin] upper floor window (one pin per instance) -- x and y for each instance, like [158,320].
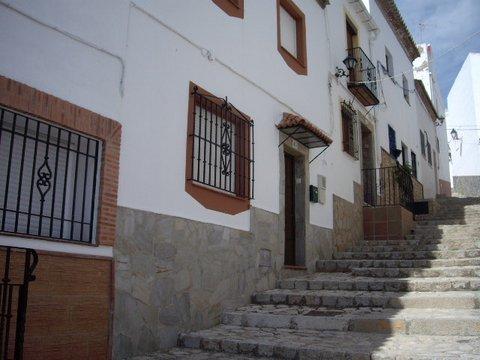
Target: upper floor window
[233,8]
[422,143]
[291,35]
[49,179]
[349,132]
[404,155]
[389,63]
[406,90]
[413,157]
[219,153]
[429,152]
[392,140]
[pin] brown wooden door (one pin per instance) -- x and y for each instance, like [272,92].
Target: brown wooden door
[289,209]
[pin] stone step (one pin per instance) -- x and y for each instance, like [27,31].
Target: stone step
[348,265]
[340,299]
[347,281]
[444,272]
[311,344]
[405,321]
[418,247]
[465,230]
[409,255]
[466,222]
[450,215]
[434,237]
[195,354]
[414,242]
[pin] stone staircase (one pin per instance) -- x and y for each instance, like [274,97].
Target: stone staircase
[416,298]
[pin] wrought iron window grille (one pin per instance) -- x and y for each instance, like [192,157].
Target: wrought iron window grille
[49,179]
[223,146]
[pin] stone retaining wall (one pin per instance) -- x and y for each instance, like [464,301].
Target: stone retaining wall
[348,219]
[175,274]
[467,185]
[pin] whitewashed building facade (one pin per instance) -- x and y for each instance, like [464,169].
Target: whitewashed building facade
[206,198]
[464,124]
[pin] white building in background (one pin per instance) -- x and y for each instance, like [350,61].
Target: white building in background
[464,127]
[425,71]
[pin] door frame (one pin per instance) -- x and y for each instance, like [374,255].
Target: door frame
[302,205]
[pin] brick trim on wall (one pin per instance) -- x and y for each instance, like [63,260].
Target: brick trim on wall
[28,100]
[233,8]
[297,63]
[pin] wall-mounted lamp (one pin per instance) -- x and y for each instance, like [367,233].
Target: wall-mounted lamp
[349,63]
[454,134]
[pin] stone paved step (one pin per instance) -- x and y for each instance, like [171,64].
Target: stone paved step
[420,247]
[345,281]
[447,229]
[442,237]
[470,221]
[311,344]
[406,321]
[341,299]
[409,255]
[445,272]
[415,242]
[348,265]
[194,354]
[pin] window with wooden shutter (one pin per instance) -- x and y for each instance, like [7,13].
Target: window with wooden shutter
[414,164]
[422,142]
[392,140]
[349,132]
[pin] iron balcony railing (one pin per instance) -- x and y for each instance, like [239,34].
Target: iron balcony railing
[18,265]
[388,186]
[364,71]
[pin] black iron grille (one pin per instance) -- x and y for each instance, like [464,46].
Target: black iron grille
[388,186]
[223,146]
[48,179]
[18,265]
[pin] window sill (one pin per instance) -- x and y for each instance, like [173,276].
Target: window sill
[216,200]
[297,65]
[231,8]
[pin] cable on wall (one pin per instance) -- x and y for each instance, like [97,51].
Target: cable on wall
[73,37]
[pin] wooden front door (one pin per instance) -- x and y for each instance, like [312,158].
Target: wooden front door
[289,209]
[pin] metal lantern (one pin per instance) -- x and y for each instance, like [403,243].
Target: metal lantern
[350,62]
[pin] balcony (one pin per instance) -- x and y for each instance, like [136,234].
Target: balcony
[362,78]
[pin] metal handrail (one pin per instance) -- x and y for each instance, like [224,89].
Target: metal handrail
[364,70]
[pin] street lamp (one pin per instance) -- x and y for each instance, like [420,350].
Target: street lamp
[349,63]
[454,134]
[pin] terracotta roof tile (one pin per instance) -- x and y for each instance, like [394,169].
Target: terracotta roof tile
[292,121]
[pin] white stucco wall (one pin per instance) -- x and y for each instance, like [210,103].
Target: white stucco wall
[133,61]
[464,116]
[425,70]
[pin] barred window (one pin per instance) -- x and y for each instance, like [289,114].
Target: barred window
[349,130]
[48,179]
[220,145]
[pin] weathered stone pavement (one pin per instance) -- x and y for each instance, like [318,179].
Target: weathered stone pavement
[417,298]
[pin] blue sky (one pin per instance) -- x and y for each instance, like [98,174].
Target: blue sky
[446,24]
